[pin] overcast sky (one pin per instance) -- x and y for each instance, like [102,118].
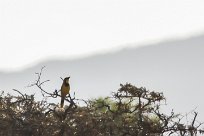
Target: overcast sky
[34,30]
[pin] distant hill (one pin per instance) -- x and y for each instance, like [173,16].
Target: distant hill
[173,67]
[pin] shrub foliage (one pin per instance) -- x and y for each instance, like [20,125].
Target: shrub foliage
[130,111]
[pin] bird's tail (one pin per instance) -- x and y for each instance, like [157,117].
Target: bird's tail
[62,102]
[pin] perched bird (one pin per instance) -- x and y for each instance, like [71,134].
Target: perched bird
[65,88]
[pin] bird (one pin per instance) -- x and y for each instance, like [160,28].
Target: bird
[65,88]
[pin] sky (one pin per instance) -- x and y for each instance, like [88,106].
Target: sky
[36,30]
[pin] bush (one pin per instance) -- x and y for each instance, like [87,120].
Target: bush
[130,111]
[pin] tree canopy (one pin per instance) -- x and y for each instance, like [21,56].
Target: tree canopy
[130,111]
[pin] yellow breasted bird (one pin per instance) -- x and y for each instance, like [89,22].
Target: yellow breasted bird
[65,88]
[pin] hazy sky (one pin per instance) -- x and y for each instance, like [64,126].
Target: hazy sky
[32,30]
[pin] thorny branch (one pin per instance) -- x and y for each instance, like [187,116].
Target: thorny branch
[130,111]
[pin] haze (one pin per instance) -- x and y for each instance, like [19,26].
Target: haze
[32,31]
